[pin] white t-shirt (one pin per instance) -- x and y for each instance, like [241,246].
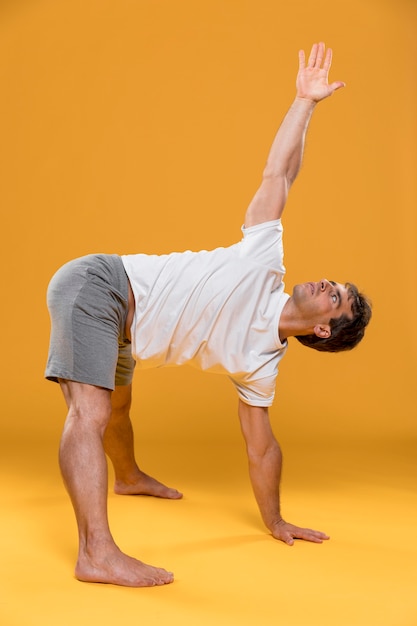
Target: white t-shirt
[217,310]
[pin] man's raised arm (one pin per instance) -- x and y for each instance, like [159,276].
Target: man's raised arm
[285,156]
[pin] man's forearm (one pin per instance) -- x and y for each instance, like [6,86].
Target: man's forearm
[282,166]
[287,149]
[265,475]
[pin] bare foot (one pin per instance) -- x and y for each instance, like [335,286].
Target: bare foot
[144,485]
[114,567]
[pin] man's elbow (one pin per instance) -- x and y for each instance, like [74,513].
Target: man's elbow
[259,452]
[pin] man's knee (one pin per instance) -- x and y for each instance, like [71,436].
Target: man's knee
[121,400]
[87,405]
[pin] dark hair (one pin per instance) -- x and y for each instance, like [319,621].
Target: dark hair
[346,332]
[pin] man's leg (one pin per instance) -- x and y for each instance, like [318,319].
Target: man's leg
[84,469]
[118,444]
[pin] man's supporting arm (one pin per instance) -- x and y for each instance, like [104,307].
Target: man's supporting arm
[265,462]
[285,157]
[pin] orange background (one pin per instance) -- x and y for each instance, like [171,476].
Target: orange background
[144,125]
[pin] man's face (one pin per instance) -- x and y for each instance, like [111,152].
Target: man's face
[317,303]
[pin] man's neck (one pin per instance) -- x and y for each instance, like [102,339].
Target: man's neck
[290,323]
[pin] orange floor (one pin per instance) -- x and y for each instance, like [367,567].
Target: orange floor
[228,570]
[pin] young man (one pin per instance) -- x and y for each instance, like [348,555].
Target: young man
[224,311]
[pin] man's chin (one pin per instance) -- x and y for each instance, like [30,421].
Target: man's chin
[300,288]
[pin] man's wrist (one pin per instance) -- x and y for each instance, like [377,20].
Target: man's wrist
[306,101]
[278,521]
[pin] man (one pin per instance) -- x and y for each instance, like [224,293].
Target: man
[224,311]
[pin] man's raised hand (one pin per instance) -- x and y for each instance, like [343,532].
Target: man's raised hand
[312,79]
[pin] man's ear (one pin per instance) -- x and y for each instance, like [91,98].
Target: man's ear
[323,331]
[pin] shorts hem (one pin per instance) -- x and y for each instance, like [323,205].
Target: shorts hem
[80,379]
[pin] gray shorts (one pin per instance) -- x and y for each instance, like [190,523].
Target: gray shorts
[88,304]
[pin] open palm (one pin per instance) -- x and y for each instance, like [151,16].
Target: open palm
[312,79]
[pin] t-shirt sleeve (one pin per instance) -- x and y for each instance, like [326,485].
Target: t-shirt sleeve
[260,392]
[263,244]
